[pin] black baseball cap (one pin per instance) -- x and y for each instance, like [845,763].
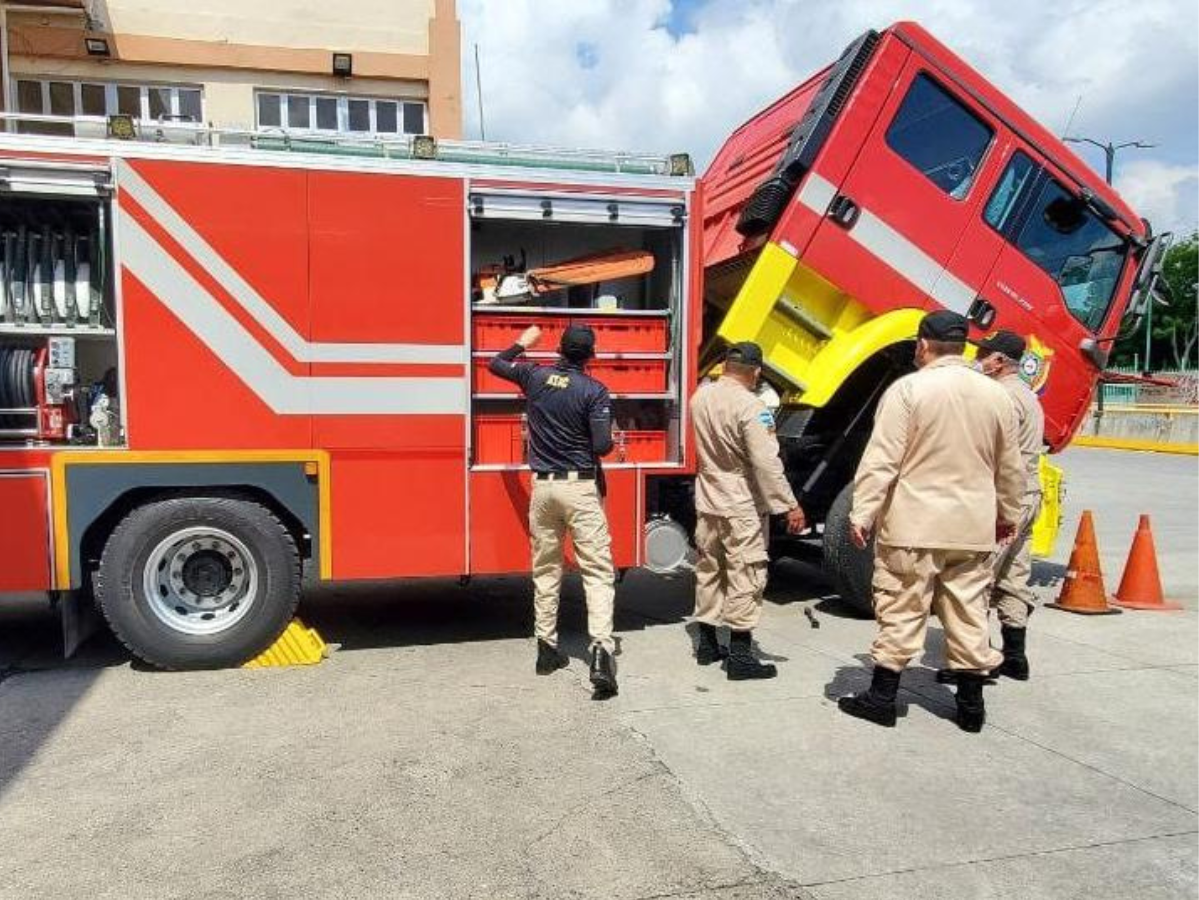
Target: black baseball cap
[746,352]
[944,325]
[1008,343]
[578,342]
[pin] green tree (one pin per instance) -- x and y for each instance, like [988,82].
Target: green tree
[1175,341]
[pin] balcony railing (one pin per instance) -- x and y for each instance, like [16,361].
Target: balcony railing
[356,145]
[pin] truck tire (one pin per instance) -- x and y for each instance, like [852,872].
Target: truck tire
[851,569]
[198,582]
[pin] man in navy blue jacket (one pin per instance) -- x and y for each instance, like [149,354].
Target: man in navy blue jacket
[570,428]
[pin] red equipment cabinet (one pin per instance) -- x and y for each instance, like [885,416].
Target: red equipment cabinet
[25,530]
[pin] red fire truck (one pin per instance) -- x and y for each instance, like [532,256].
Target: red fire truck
[227,355]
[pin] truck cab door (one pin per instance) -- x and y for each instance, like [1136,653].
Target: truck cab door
[1062,277]
[893,226]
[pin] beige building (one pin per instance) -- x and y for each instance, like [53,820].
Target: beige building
[365,67]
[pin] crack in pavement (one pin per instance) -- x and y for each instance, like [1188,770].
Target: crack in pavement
[916,689]
[754,858]
[792,889]
[585,802]
[1002,858]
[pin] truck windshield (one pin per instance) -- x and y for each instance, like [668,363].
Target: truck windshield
[1077,249]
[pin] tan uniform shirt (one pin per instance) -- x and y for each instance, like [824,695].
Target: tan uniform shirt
[1030,428]
[942,463]
[740,472]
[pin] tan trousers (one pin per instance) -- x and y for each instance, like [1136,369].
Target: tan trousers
[1011,597]
[574,507]
[909,583]
[730,576]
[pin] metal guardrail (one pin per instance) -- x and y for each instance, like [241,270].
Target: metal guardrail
[371,146]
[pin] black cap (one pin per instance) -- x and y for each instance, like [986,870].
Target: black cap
[578,343]
[1008,343]
[747,353]
[944,325]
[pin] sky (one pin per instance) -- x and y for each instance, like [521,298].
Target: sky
[680,75]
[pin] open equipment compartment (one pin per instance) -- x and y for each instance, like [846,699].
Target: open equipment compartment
[613,263]
[58,337]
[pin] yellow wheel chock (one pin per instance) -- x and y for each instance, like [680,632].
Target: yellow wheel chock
[297,646]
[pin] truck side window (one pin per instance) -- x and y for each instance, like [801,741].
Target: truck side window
[939,136]
[1076,249]
[1012,182]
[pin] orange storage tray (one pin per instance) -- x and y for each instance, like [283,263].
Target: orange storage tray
[638,446]
[613,334]
[499,439]
[619,376]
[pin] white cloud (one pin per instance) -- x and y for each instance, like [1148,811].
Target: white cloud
[607,73]
[1164,193]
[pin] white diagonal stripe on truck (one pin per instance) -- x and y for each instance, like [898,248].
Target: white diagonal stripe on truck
[302,350]
[892,248]
[256,367]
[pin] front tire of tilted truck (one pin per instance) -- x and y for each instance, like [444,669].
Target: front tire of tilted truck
[850,568]
[198,582]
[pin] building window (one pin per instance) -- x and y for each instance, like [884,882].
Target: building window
[93,99]
[270,113]
[326,113]
[347,115]
[939,136]
[155,103]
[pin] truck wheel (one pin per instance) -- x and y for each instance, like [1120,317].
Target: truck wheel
[198,582]
[851,569]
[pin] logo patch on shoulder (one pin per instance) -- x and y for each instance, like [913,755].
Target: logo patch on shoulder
[766,419]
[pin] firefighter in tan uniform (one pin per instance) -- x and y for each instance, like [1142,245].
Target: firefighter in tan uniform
[1011,597]
[739,485]
[570,428]
[939,484]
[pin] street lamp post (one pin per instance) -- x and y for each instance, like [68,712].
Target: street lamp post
[1109,158]
[1109,151]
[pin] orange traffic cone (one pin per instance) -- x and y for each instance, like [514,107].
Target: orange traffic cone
[1141,586]
[1082,591]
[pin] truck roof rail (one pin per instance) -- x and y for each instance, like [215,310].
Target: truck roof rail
[174,131]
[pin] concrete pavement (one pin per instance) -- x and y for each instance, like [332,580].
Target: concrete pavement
[425,760]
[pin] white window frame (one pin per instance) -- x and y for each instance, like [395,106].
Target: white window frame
[110,97]
[343,113]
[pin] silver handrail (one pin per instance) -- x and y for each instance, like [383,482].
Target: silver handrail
[399,147]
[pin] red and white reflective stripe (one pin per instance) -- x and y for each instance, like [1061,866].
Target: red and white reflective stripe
[258,308]
[892,248]
[284,392]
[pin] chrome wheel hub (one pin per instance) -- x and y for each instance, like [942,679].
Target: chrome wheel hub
[200,580]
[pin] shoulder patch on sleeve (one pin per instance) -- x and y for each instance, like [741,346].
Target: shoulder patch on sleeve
[765,417]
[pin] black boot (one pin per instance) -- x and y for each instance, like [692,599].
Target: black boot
[741,664]
[1015,663]
[708,649]
[877,704]
[549,659]
[972,713]
[603,673]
